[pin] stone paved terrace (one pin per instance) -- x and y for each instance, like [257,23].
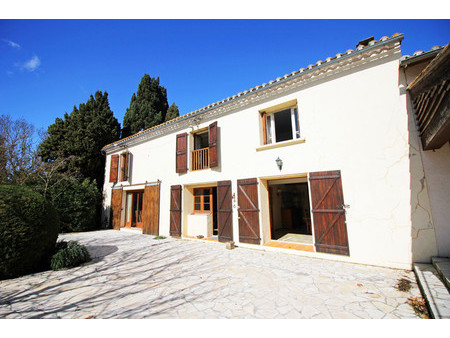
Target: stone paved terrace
[135,276]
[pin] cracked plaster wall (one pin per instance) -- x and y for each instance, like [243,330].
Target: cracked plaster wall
[423,232]
[437,171]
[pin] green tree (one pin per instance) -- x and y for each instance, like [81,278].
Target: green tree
[81,136]
[76,204]
[172,112]
[148,107]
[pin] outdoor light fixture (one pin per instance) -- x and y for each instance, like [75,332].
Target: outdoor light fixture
[279,163]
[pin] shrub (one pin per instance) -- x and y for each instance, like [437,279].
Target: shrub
[77,204]
[28,231]
[69,255]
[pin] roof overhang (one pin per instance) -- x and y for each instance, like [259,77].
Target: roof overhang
[430,95]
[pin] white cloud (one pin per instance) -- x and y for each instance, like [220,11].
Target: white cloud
[12,43]
[32,64]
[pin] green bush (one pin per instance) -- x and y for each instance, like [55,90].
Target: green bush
[77,204]
[69,255]
[28,231]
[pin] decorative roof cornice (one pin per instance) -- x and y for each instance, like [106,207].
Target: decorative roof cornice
[331,65]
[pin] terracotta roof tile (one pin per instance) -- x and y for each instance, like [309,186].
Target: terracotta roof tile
[434,49]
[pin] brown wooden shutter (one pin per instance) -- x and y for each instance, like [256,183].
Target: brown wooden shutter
[114,168]
[181,153]
[124,167]
[150,212]
[264,127]
[116,207]
[224,211]
[330,230]
[248,211]
[213,160]
[175,210]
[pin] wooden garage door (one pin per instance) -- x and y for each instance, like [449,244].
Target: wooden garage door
[150,211]
[330,230]
[248,211]
[224,211]
[175,210]
[116,207]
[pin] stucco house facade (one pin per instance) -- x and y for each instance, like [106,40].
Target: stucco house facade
[325,161]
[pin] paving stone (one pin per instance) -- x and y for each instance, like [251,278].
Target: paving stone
[384,307]
[309,311]
[146,278]
[344,315]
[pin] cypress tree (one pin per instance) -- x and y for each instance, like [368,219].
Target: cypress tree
[82,135]
[148,107]
[172,112]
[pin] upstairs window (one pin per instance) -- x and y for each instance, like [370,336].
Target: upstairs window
[124,166]
[201,140]
[204,151]
[280,125]
[200,154]
[120,167]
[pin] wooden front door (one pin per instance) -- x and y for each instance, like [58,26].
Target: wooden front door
[224,211]
[133,214]
[330,230]
[150,214]
[175,210]
[116,207]
[248,211]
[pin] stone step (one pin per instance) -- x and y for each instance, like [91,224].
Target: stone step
[132,230]
[442,266]
[433,290]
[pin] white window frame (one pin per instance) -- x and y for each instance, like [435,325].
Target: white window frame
[270,126]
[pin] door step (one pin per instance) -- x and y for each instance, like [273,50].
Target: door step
[442,266]
[433,290]
[132,230]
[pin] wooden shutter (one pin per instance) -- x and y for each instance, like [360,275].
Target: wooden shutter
[175,210]
[213,160]
[330,230]
[181,154]
[116,207]
[114,168]
[264,127]
[124,167]
[248,211]
[150,212]
[224,211]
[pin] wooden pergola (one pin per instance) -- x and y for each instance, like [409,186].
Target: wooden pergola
[429,94]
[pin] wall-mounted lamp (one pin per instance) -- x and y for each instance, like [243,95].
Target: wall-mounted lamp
[279,163]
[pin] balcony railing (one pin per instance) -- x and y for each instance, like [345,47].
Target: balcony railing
[200,159]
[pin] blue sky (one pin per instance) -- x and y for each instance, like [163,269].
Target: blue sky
[48,66]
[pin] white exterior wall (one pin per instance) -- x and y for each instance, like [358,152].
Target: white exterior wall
[437,171]
[355,122]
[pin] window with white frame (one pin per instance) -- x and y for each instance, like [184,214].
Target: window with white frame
[280,125]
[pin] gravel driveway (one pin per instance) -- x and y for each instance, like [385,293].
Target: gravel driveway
[135,276]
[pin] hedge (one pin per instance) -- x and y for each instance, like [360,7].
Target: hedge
[29,227]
